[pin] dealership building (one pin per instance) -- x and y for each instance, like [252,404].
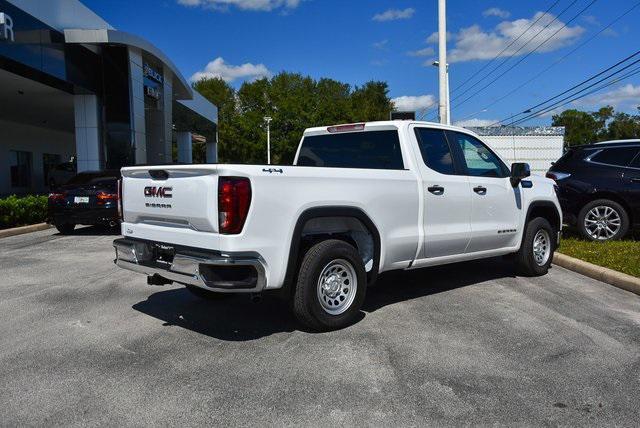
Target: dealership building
[74,87]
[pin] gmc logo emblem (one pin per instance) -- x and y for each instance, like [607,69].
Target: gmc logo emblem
[158,192]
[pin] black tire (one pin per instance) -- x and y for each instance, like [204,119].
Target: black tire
[343,262]
[526,262]
[617,209]
[65,228]
[206,294]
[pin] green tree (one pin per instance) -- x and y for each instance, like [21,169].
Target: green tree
[371,102]
[623,126]
[295,102]
[580,127]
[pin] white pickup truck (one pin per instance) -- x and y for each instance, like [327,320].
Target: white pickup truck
[360,199]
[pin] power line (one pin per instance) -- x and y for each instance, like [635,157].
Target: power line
[561,59]
[507,47]
[528,54]
[580,84]
[631,73]
[508,58]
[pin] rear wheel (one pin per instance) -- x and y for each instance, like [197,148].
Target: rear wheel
[206,294]
[65,228]
[538,245]
[603,220]
[331,286]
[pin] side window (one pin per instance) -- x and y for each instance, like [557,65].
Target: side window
[435,150]
[636,162]
[617,156]
[479,160]
[371,149]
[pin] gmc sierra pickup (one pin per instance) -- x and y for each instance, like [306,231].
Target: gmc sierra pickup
[360,199]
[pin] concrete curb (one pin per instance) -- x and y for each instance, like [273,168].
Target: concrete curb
[24,229]
[610,276]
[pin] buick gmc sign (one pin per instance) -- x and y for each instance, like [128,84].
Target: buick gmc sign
[6,27]
[158,192]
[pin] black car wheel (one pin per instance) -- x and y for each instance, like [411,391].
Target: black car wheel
[603,220]
[65,228]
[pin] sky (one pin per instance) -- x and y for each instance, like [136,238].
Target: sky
[355,41]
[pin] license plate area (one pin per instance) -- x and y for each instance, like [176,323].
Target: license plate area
[80,199]
[163,254]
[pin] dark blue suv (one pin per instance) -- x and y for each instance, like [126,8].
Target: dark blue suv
[599,188]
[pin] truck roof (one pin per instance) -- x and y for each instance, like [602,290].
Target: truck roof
[378,125]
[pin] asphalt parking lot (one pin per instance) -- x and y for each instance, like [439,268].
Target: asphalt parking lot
[85,343]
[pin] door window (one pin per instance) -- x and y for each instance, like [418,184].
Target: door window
[618,156]
[435,150]
[478,159]
[636,162]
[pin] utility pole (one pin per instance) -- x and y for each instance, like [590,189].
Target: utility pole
[443,101]
[267,120]
[448,121]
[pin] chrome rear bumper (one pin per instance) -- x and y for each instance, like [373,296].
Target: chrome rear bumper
[210,270]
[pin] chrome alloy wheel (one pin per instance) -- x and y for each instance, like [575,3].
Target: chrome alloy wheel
[337,286]
[602,222]
[541,247]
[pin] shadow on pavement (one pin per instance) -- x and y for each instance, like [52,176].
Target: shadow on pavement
[93,231]
[237,318]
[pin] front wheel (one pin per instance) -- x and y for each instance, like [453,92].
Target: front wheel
[538,245]
[331,286]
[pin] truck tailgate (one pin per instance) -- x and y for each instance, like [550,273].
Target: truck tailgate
[172,196]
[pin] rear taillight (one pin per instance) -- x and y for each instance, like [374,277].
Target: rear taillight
[234,198]
[104,197]
[555,175]
[57,196]
[120,208]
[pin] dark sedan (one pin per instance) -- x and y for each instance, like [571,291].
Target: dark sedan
[89,198]
[599,188]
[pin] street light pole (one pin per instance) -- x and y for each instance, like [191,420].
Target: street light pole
[448,104]
[268,120]
[442,63]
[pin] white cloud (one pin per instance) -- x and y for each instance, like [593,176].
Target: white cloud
[475,122]
[496,11]
[219,68]
[382,44]
[433,38]
[413,103]
[428,51]
[473,43]
[255,5]
[626,95]
[394,14]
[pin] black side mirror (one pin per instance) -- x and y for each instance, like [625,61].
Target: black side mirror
[519,170]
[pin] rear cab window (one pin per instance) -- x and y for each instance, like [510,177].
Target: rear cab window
[368,149]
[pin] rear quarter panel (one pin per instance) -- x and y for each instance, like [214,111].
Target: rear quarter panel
[389,197]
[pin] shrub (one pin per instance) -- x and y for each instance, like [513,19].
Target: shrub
[20,211]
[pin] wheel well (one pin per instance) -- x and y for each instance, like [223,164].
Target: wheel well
[348,224]
[547,211]
[611,197]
